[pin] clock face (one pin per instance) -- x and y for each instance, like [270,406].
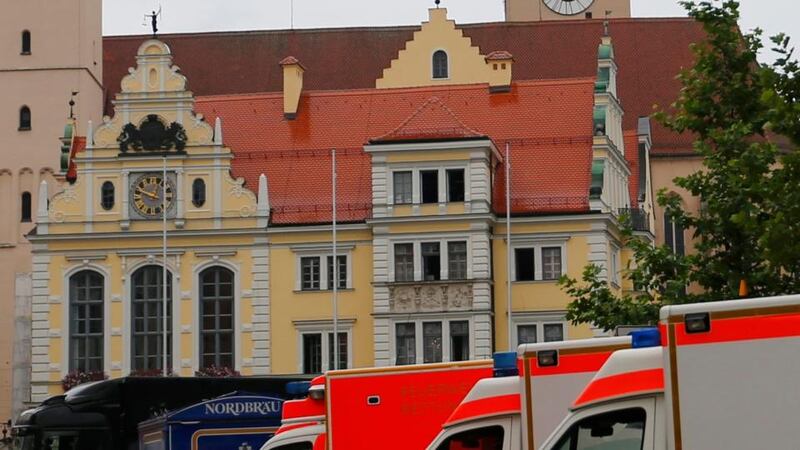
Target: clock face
[568,7]
[151,195]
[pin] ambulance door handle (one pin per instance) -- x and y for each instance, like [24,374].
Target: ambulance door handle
[373,400]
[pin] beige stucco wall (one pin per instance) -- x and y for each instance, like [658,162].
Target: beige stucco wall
[535,10]
[664,170]
[66,56]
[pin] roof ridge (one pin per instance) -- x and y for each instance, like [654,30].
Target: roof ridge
[428,104]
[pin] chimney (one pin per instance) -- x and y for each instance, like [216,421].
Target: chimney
[499,64]
[292,86]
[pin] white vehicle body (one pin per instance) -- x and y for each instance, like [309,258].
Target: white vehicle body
[532,404]
[728,380]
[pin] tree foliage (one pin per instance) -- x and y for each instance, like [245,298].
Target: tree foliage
[748,228]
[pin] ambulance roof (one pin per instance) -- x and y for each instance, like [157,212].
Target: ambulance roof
[489,397]
[626,373]
[576,344]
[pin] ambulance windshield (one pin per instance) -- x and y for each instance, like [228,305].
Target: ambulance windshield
[616,430]
[487,438]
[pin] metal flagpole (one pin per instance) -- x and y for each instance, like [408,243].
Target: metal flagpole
[164,261]
[508,244]
[335,271]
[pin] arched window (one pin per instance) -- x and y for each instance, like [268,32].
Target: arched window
[107,195]
[24,118]
[86,321]
[147,306]
[26,42]
[440,69]
[198,192]
[26,207]
[216,317]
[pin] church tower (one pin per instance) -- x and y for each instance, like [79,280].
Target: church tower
[50,52]
[540,10]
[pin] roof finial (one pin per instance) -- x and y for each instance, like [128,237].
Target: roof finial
[437,3]
[153,20]
[606,23]
[71,104]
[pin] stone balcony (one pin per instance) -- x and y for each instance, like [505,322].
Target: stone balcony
[430,296]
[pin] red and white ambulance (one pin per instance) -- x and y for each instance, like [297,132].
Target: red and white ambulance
[551,377]
[389,408]
[714,376]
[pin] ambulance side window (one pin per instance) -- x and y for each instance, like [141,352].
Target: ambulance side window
[487,438]
[616,430]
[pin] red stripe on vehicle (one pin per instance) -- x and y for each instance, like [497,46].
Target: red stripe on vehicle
[629,383]
[321,442]
[589,362]
[743,329]
[485,407]
[307,407]
[294,426]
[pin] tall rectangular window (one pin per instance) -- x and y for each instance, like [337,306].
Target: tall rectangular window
[431,261]
[402,188]
[457,260]
[312,353]
[551,263]
[342,266]
[342,352]
[526,334]
[404,262]
[455,185]
[432,342]
[524,264]
[459,340]
[406,342]
[86,321]
[429,182]
[309,267]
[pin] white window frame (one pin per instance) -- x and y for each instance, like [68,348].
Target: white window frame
[537,247]
[418,337]
[444,258]
[324,329]
[416,183]
[323,269]
[540,320]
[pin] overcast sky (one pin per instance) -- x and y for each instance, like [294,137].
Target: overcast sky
[126,16]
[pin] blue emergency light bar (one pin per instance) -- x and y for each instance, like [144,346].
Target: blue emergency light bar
[505,364]
[298,388]
[649,337]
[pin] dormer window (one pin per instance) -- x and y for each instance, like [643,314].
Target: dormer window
[440,65]
[26,42]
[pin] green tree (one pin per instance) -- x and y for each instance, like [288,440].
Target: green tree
[749,226]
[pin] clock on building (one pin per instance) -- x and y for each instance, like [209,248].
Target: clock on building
[568,7]
[151,194]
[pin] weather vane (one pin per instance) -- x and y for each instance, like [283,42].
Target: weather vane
[153,20]
[605,22]
[437,3]
[72,104]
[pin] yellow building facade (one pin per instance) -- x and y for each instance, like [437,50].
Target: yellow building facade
[421,266]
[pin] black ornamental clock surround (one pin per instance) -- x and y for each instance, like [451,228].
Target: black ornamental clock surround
[568,7]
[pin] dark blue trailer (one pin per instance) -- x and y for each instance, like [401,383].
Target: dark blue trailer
[235,421]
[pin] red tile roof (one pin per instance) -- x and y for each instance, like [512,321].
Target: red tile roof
[548,125]
[499,55]
[649,53]
[632,156]
[431,121]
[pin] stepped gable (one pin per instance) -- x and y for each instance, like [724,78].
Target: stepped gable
[649,52]
[547,123]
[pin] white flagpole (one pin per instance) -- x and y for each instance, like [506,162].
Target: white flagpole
[164,264]
[335,270]
[508,245]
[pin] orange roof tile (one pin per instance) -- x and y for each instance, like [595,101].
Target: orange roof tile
[432,121]
[548,125]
